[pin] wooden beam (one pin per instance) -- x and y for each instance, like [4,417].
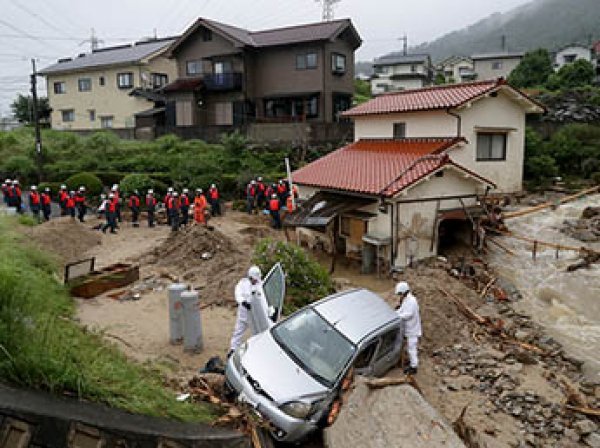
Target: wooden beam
[546,205]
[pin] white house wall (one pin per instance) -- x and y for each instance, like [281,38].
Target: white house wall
[578,52]
[416,220]
[498,112]
[418,124]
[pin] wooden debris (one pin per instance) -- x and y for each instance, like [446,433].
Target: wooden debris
[584,410]
[467,433]
[545,205]
[573,396]
[487,287]
[500,245]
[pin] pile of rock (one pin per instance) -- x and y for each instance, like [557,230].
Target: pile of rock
[586,228]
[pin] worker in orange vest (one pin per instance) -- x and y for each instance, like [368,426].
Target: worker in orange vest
[46,204]
[173,211]
[70,205]
[213,199]
[274,210]
[34,202]
[111,214]
[200,204]
[134,206]
[289,204]
[184,206]
[63,195]
[80,203]
[150,207]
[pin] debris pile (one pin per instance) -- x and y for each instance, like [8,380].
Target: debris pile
[204,257]
[586,228]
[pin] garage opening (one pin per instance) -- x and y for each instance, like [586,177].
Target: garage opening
[454,236]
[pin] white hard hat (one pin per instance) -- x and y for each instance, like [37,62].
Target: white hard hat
[150,191]
[253,182]
[274,196]
[33,187]
[199,190]
[115,186]
[8,181]
[259,179]
[213,186]
[47,189]
[71,193]
[170,190]
[175,194]
[63,187]
[103,196]
[111,195]
[402,288]
[254,273]
[186,191]
[15,182]
[82,188]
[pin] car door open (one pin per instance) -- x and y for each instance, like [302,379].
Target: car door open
[267,311]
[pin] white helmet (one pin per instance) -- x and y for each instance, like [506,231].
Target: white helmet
[175,194]
[259,179]
[115,186]
[7,181]
[103,196]
[82,188]
[63,187]
[186,191]
[213,186]
[170,190]
[150,191]
[253,182]
[402,288]
[254,273]
[112,195]
[33,187]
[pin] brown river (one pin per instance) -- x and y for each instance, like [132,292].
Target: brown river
[567,304]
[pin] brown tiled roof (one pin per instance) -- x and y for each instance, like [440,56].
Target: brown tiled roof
[279,36]
[379,167]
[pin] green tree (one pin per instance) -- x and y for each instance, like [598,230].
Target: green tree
[362,91]
[439,79]
[22,109]
[533,70]
[577,74]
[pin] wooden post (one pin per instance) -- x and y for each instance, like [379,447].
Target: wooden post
[535,245]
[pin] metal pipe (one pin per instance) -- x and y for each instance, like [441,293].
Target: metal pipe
[458,121]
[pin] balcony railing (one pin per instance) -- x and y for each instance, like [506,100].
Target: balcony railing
[223,81]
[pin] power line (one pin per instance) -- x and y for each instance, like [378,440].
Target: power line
[37,16]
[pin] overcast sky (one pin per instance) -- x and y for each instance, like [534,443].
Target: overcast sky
[50,29]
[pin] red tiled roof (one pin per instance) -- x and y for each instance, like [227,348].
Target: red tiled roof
[379,167]
[428,98]
[596,48]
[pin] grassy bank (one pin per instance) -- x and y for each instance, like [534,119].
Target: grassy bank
[42,347]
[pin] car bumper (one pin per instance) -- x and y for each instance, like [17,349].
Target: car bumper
[285,427]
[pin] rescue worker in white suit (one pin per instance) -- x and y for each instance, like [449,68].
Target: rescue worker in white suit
[408,311]
[248,295]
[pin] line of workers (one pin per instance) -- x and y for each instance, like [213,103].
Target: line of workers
[271,198]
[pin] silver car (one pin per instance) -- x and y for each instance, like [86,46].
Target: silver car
[291,373]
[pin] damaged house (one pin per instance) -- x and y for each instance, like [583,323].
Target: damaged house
[417,173]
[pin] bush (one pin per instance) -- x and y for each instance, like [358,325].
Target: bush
[140,182]
[54,188]
[93,185]
[306,280]
[20,166]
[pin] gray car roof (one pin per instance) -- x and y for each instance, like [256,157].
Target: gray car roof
[356,313]
[110,56]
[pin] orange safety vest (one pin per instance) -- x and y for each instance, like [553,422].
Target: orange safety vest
[274,205]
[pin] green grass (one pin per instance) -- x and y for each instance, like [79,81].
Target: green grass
[43,348]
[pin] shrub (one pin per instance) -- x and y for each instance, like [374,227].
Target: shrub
[20,166]
[54,187]
[92,184]
[306,280]
[140,182]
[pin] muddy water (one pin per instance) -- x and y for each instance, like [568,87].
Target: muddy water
[567,304]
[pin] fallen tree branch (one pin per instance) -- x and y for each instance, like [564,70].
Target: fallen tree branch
[500,245]
[487,287]
[380,383]
[583,410]
[545,205]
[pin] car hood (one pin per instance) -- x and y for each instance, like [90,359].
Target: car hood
[276,373]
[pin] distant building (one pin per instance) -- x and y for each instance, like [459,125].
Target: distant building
[9,123]
[570,54]
[94,90]
[397,71]
[495,65]
[456,69]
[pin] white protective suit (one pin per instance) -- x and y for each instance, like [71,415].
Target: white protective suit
[246,292]
[409,313]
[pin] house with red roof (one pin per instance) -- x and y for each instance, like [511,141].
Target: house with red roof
[418,170]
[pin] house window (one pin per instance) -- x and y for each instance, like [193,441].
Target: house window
[338,63]
[125,80]
[413,68]
[159,80]
[106,122]
[306,61]
[92,113]
[59,87]
[223,67]
[206,34]
[569,58]
[101,80]
[399,130]
[497,65]
[491,147]
[85,84]
[340,104]
[193,67]
[68,115]
[224,113]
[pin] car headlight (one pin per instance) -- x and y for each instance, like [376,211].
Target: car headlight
[237,356]
[297,409]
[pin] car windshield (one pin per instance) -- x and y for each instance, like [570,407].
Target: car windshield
[315,345]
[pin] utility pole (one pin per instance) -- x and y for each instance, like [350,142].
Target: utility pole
[36,120]
[93,40]
[328,9]
[404,39]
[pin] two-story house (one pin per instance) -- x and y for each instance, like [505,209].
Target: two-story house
[399,71]
[230,78]
[93,90]
[495,65]
[456,69]
[416,175]
[571,53]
